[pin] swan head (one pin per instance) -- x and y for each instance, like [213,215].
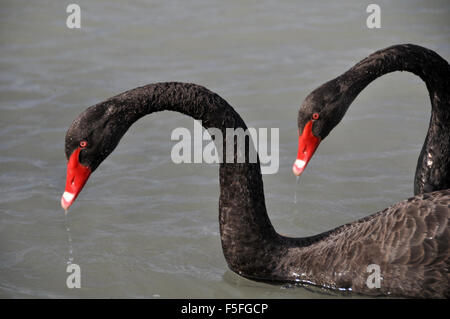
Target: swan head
[319,113]
[77,176]
[307,145]
[89,140]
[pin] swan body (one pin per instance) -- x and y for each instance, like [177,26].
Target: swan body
[408,241]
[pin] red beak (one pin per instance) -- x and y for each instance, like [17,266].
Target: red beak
[307,145]
[77,175]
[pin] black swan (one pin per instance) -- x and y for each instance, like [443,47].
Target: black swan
[337,259]
[410,238]
[325,107]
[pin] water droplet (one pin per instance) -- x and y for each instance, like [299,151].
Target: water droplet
[69,240]
[296,187]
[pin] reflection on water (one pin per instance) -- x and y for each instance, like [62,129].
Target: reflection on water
[140,228]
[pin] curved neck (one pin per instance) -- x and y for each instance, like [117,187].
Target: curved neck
[433,167]
[244,225]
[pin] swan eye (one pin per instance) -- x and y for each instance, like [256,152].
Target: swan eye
[315,116]
[83,144]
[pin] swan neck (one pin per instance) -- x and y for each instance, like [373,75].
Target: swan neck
[246,231]
[425,63]
[433,167]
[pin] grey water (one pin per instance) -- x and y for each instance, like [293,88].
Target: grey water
[146,227]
